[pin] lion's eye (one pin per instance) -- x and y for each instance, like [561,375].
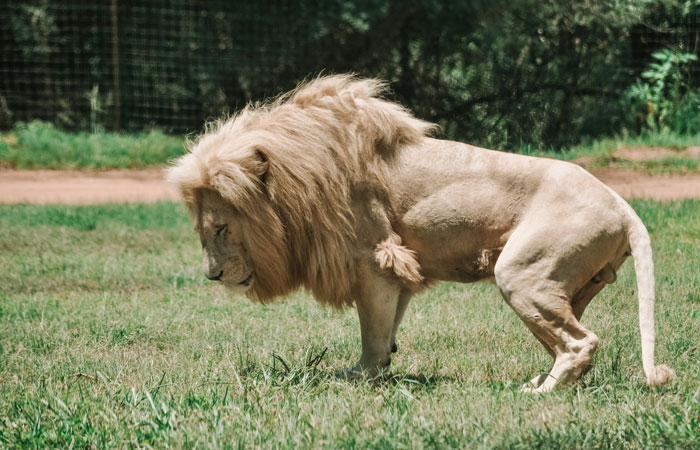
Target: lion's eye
[220,229]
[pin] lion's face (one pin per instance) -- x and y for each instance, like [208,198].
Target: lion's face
[226,257]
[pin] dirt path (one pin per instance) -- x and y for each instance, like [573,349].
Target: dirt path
[84,187]
[81,187]
[637,184]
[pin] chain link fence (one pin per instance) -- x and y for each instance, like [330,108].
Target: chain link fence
[138,64]
[495,73]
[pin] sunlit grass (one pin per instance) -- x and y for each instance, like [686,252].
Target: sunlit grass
[40,145]
[601,153]
[111,337]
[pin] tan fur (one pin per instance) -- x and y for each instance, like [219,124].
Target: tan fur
[318,141]
[661,375]
[392,255]
[335,189]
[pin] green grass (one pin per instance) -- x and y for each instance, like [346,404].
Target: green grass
[601,153]
[670,164]
[110,337]
[40,145]
[603,146]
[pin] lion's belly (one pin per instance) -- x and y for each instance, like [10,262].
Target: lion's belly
[456,238]
[466,268]
[463,254]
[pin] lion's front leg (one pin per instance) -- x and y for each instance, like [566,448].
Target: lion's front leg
[402,304]
[377,314]
[376,308]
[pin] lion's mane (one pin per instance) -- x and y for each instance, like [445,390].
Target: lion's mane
[290,167]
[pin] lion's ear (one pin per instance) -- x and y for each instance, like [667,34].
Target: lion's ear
[261,165]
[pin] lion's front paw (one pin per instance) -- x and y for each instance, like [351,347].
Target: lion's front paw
[357,372]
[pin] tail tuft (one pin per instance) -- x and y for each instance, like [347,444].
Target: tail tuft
[390,254]
[661,375]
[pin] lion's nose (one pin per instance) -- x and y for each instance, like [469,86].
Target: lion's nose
[216,278]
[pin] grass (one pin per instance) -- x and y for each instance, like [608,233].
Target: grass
[669,164]
[601,153]
[111,338]
[39,145]
[603,146]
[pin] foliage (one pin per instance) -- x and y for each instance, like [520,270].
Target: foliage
[498,73]
[664,98]
[110,337]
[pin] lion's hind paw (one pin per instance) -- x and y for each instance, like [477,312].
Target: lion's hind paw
[534,386]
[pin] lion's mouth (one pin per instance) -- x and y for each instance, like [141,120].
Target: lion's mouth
[247,281]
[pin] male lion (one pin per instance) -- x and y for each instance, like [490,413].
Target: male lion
[333,188]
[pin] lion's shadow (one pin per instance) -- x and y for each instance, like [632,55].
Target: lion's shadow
[428,382]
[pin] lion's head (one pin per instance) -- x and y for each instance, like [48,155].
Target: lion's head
[270,189]
[243,238]
[225,249]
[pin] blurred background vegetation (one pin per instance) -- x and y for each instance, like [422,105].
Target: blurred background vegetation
[498,73]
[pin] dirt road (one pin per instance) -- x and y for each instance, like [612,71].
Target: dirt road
[82,187]
[637,184]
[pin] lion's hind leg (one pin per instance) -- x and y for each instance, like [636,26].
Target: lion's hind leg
[545,308]
[552,265]
[552,320]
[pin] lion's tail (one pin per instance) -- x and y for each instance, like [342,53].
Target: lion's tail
[640,245]
[391,254]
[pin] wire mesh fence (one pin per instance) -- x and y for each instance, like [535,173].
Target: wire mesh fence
[491,72]
[138,64]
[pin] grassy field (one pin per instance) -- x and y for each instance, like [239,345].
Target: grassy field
[39,145]
[601,153]
[110,337]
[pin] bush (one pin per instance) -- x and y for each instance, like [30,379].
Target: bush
[498,73]
[663,100]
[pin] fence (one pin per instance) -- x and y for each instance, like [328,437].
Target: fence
[494,73]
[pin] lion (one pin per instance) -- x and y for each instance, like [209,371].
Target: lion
[333,188]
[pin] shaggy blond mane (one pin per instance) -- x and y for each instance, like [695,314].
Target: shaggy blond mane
[290,166]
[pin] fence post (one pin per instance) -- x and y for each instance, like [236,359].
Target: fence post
[115,68]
